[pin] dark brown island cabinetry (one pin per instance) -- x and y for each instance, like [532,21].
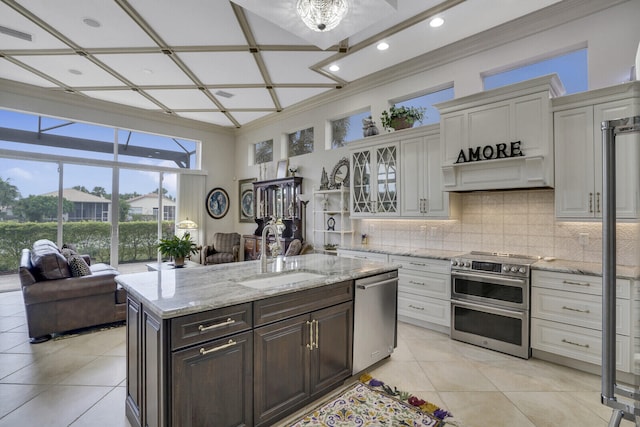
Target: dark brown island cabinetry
[243,365]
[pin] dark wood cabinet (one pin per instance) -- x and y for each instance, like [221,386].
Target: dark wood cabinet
[252,245]
[134,363]
[213,383]
[300,358]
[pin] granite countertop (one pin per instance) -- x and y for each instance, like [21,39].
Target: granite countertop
[173,293]
[398,250]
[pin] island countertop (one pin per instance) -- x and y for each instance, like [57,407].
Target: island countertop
[178,292]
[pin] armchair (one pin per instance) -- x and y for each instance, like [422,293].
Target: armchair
[224,248]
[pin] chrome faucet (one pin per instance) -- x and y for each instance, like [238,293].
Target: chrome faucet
[263,244]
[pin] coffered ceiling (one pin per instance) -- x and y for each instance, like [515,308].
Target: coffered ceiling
[224,62]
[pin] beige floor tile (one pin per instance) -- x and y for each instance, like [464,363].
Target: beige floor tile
[401,352]
[107,412]
[56,406]
[103,371]
[14,309]
[433,351]
[9,340]
[97,342]
[552,409]
[49,370]
[8,323]
[486,409]
[403,375]
[10,363]
[13,396]
[591,399]
[456,376]
[40,350]
[118,350]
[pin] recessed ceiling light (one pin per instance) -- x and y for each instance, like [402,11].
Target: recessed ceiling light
[92,23]
[147,71]
[383,46]
[436,22]
[74,71]
[334,68]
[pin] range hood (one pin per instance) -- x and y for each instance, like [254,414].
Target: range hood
[500,139]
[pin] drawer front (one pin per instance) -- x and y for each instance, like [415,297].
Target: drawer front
[372,256]
[429,285]
[576,343]
[426,309]
[208,325]
[426,265]
[577,283]
[577,309]
[289,305]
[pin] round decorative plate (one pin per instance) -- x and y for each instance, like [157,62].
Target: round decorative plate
[217,203]
[340,174]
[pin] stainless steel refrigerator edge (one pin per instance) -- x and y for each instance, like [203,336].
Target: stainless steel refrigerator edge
[375,319]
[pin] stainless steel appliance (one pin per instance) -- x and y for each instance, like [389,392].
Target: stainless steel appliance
[374,319]
[490,301]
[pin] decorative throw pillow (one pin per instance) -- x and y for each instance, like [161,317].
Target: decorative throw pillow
[78,266]
[67,252]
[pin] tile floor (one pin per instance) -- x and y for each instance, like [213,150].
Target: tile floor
[80,381]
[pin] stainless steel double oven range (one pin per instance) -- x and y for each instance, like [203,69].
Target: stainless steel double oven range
[490,301]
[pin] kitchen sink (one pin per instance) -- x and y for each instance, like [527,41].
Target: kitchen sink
[280,279]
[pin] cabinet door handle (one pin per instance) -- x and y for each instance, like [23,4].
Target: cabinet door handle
[598,202]
[317,332]
[310,345]
[231,343]
[421,264]
[564,307]
[590,202]
[575,343]
[425,206]
[203,328]
[571,282]
[413,282]
[416,308]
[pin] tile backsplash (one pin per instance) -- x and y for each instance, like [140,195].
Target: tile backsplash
[520,222]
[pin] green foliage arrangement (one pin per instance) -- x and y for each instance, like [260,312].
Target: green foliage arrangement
[392,118]
[177,247]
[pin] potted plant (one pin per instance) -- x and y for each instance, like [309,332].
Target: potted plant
[401,117]
[177,248]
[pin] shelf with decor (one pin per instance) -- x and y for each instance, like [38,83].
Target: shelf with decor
[331,220]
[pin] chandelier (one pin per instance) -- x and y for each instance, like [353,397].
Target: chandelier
[322,15]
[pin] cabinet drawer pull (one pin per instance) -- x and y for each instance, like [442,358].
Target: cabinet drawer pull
[231,343]
[317,333]
[416,308]
[203,328]
[571,282]
[591,202]
[360,256]
[310,345]
[421,264]
[575,343]
[564,307]
[413,282]
[598,202]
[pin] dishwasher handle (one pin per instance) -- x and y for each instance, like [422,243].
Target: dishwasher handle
[376,284]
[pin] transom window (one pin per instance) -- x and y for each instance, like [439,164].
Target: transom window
[300,142]
[347,129]
[427,101]
[263,152]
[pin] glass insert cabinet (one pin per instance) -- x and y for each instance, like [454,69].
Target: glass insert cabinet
[375,181]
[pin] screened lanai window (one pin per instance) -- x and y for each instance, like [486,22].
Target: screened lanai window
[570,67]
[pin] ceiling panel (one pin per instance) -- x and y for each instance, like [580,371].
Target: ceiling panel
[285,67]
[245,98]
[209,117]
[146,68]
[61,67]
[266,33]
[290,96]
[244,118]
[14,72]
[126,97]
[41,39]
[182,99]
[192,22]
[223,67]
[67,16]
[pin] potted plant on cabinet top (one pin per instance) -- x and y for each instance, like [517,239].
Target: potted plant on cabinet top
[401,117]
[177,248]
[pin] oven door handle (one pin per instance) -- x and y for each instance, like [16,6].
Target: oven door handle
[493,279]
[488,309]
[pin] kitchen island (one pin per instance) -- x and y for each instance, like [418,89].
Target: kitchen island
[229,345]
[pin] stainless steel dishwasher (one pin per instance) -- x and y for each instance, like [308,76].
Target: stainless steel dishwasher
[374,319]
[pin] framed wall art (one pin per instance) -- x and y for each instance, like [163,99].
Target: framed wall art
[217,203]
[245,197]
[281,172]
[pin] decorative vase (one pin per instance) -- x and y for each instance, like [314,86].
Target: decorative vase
[260,222]
[369,127]
[288,228]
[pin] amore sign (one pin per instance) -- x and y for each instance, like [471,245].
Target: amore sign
[489,152]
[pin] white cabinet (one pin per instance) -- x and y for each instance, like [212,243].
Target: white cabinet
[372,256]
[374,181]
[331,222]
[424,291]
[578,151]
[421,178]
[566,317]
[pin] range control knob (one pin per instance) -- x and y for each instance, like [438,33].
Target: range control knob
[467,264]
[514,269]
[505,268]
[454,262]
[522,270]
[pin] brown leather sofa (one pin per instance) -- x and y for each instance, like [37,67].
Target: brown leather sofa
[58,298]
